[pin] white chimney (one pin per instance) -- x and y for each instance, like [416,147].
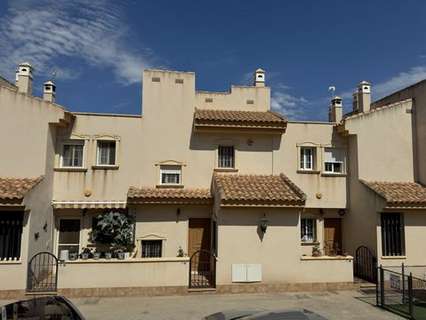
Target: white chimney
[259,78]
[24,78]
[49,91]
[335,112]
[364,96]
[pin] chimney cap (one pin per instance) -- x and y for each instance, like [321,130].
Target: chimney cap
[260,70]
[49,82]
[25,64]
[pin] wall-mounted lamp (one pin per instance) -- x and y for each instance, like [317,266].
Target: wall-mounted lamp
[36,235]
[341,212]
[45,227]
[263,224]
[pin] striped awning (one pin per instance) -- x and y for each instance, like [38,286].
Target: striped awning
[113,204]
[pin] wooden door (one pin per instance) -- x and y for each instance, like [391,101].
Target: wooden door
[199,235]
[332,236]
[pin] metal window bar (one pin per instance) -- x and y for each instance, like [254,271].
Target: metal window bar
[226,157]
[152,248]
[10,236]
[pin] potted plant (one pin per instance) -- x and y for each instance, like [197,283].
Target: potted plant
[121,255]
[96,255]
[86,253]
[73,256]
[180,252]
[107,255]
[316,252]
[115,229]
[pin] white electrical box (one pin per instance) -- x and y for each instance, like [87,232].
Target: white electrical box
[250,272]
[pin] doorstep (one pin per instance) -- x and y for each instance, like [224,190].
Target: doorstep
[201,290]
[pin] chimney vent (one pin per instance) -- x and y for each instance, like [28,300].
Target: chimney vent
[363,96]
[24,78]
[335,112]
[259,78]
[49,91]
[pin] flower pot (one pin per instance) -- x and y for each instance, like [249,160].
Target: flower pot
[73,256]
[121,255]
[96,255]
[126,255]
[108,255]
[84,256]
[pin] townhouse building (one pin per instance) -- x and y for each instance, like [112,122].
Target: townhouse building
[220,192]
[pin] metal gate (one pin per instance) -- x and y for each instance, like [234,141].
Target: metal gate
[202,270]
[365,264]
[42,274]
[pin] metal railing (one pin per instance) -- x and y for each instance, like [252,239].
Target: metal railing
[401,292]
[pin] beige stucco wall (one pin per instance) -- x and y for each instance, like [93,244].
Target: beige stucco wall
[380,149]
[134,273]
[32,123]
[332,189]
[279,251]
[417,92]
[415,237]
[246,98]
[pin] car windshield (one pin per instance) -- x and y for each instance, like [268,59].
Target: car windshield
[46,308]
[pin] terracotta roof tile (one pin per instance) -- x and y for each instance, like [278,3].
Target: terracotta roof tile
[248,119]
[399,194]
[168,195]
[16,188]
[258,190]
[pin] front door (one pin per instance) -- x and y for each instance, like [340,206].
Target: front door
[332,236]
[199,235]
[202,263]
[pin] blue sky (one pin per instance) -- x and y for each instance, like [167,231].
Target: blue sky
[99,48]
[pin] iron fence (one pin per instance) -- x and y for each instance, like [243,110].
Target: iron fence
[400,292]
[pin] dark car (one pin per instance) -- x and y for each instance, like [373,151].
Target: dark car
[301,314]
[43,308]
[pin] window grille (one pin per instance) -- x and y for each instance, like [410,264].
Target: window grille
[226,157]
[152,248]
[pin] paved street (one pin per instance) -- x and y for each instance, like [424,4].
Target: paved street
[332,305]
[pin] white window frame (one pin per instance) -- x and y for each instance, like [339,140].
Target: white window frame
[303,161]
[80,238]
[98,163]
[314,231]
[79,142]
[233,156]
[165,170]
[342,163]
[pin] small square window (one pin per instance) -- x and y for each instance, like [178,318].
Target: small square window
[170,175]
[72,154]
[152,248]
[334,160]
[307,158]
[226,157]
[106,153]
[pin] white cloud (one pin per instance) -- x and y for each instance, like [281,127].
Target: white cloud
[287,104]
[42,31]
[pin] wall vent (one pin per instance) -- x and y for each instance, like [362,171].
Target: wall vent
[250,101]
[209,100]
[179,81]
[155,79]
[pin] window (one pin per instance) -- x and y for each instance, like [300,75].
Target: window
[307,158]
[226,157]
[333,160]
[106,153]
[69,235]
[308,230]
[10,235]
[170,174]
[152,248]
[393,236]
[72,154]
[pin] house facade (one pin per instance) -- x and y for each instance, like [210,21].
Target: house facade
[222,192]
